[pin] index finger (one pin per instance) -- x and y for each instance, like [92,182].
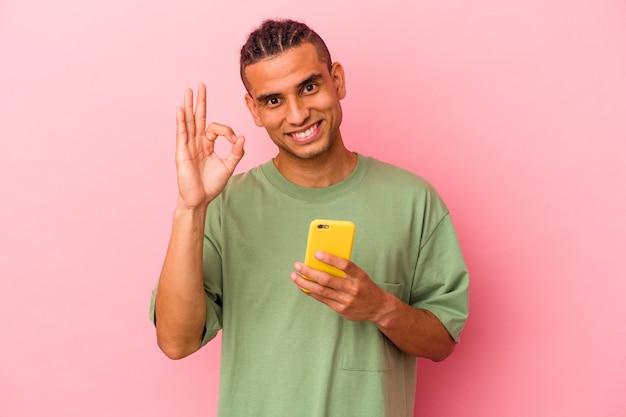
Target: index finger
[215,129]
[333,260]
[315,281]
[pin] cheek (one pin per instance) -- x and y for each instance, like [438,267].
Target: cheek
[330,104]
[270,119]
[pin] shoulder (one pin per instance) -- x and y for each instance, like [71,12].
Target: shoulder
[396,177]
[402,187]
[242,178]
[245,181]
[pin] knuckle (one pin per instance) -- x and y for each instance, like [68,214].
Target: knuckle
[324,279]
[342,309]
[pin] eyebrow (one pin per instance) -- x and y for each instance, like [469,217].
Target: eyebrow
[310,79]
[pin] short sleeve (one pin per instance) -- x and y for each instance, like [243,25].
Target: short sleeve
[212,270]
[441,280]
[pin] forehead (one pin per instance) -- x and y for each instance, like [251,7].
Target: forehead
[284,71]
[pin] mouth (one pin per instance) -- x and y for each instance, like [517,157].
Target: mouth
[305,135]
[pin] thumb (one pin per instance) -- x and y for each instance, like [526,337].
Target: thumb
[236,153]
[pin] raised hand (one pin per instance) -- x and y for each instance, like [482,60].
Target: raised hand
[202,174]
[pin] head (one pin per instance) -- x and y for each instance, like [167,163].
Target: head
[274,37]
[293,89]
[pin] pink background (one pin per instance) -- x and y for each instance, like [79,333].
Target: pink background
[514,110]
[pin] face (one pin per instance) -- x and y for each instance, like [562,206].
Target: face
[296,98]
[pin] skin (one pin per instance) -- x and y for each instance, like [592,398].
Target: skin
[180,304]
[289,94]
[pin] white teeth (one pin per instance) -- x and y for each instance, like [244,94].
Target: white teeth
[306,133]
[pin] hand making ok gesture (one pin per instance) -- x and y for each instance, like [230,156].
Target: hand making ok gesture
[202,174]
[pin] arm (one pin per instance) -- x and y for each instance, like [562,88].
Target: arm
[416,331]
[180,305]
[356,297]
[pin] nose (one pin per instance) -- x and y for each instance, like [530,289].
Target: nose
[297,112]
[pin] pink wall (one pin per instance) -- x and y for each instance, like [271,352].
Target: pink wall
[515,111]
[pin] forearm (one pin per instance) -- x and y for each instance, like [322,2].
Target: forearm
[415,331]
[180,305]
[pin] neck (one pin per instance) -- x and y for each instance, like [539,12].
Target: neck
[322,171]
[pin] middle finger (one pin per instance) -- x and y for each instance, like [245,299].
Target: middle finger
[200,116]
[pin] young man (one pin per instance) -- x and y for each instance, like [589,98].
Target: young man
[291,346]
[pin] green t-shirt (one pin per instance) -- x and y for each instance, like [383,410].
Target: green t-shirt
[285,354]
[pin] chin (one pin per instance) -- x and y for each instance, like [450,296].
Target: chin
[313,153]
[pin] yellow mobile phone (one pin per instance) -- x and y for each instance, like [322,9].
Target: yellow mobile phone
[333,236]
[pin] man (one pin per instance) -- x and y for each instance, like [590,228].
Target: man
[324,346]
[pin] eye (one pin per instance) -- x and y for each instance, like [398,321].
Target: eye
[309,88]
[273,101]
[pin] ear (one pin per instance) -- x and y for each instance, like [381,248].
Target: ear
[339,78]
[254,109]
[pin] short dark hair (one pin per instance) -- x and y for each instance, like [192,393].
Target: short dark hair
[274,37]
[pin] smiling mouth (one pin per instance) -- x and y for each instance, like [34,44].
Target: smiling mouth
[305,134]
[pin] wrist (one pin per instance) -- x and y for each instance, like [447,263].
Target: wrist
[183,206]
[389,309]
[193,213]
